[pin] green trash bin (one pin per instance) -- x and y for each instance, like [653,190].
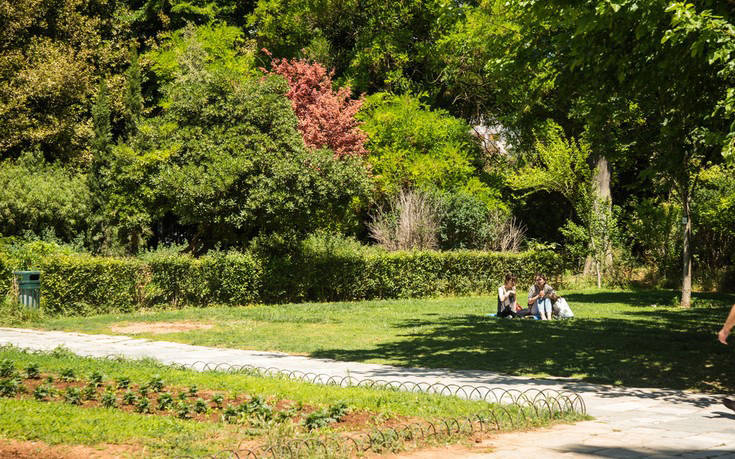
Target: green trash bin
[29,288]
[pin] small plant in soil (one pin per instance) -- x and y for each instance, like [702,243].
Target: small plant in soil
[7,368]
[321,418]
[123,382]
[143,406]
[230,414]
[73,396]
[285,415]
[338,411]
[317,419]
[143,390]
[193,391]
[156,383]
[182,396]
[89,392]
[218,400]
[183,410]
[200,406]
[10,387]
[257,406]
[129,398]
[50,379]
[95,379]
[32,371]
[165,401]
[108,399]
[42,392]
[68,375]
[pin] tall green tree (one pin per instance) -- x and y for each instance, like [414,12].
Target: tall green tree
[133,92]
[412,146]
[607,69]
[101,120]
[374,45]
[224,160]
[51,55]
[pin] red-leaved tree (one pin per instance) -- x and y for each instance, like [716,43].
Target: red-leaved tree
[326,117]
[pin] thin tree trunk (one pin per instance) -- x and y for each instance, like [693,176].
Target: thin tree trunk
[686,282]
[602,193]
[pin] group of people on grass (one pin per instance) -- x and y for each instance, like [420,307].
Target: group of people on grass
[543,302]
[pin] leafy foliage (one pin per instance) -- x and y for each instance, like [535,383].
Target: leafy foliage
[226,160]
[326,117]
[412,146]
[39,198]
[385,45]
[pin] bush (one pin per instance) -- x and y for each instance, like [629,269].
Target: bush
[37,197]
[83,284]
[349,272]
[219,277]
[321,268]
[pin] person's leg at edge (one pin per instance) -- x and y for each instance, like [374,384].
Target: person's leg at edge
[544,308]
[722,336]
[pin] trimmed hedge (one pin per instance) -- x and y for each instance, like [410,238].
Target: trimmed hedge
[76,284]
[376,274]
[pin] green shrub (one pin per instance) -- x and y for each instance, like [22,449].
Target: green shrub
[321,268]
[349,274]
[68,375]
[32,371]
[7,368]
[109,400]
[43,392]
[219,277]
[156,383]
[200,406]
[183,410]
[83,284]
[129,398]
[73,396]
[10,387]
[89,392]
[165,401]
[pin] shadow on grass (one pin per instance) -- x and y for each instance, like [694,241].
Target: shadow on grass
[652,349]
[647,298]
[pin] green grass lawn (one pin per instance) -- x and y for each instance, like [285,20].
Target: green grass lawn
[632,338]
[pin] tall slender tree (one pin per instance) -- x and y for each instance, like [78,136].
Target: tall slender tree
[133,93]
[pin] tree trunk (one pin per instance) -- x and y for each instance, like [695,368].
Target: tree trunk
[601,191]
[686,281]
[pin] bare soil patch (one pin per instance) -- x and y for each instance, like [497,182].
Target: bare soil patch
[17,449]
[159,328]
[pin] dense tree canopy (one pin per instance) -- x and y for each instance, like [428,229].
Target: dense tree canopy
[125,124]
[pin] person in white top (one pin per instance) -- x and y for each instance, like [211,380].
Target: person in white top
[507,304]
[722,336]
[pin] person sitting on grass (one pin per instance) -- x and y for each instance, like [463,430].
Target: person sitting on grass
[539,297]
[507,304]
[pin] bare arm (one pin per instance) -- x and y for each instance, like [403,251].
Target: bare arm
[503,296]
[532,299]
[729,323]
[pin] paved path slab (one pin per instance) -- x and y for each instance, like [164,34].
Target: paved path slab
[629,422]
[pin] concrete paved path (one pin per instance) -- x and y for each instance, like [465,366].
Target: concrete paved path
[629,423]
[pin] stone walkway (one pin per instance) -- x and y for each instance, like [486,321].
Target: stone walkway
[629,422]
